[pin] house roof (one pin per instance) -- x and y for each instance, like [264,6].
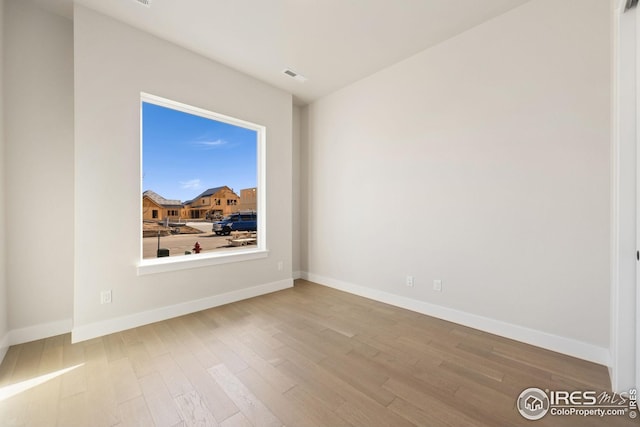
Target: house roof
[208,192]
[161,200]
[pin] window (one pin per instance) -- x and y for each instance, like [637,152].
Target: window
[154,213]
[194,158]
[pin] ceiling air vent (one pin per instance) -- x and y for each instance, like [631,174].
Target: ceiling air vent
[289,72]
[144,2]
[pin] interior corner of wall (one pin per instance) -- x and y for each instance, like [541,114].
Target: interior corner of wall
[4,343]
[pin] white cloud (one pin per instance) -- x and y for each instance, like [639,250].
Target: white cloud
[208,145]
[192,183]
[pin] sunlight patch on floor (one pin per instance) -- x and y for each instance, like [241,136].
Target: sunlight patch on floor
[11,390]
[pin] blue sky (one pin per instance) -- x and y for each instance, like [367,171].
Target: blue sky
[184,154]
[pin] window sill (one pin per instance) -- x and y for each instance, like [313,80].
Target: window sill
[163,265]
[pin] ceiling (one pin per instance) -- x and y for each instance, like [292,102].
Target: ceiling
[331,42]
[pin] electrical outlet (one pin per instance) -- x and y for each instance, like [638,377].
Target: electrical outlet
[280,265]
[410,281]
[437,285]
[105,297]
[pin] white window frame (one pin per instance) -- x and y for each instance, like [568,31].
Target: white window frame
[166,264]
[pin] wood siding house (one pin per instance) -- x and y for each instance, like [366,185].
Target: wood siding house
[249,199]
[157,208]
[212,203]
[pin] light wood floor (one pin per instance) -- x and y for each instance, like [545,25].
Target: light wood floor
[307,356]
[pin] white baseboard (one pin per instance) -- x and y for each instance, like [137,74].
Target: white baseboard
[534,337]
[98,329]
[545,340]
[296,275]
[37,332]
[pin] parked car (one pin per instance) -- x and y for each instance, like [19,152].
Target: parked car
[239,221]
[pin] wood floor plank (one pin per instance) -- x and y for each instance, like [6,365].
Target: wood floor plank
[26,366]
[416,415]
[315,407]
[555,363]
[433,350]
[429,378]
[408,356]
[139,359]
[371,415]
[252,408]
[194,410]
[114,347]
[74,381]
[174,379]
[151,341]
[100,394]
[184,328]
[485,401]
[225,355]
[135,413]
[510,366]
[75,412]
[308,356]
[43,405]
[360,377]
[13,410]
[130,336]
[123,379]
[279,405]
[320,391]
[442,409]
[300,346]
[219,404]
[261,345]
[329,381]
[9,364]
[53,344]
[279,381]
[161,405]
[166,335]
[237,420]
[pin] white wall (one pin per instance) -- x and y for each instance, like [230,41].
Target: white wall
[4,324]
[623,295]
[483,162]
[113,64]
[636,360]
[38,95]
[305,198]
[296,190]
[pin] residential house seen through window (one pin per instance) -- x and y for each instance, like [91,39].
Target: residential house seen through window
[196,167]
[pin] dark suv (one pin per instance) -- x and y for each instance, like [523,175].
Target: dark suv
[239,221]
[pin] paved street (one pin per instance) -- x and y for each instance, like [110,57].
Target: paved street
[179,243]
